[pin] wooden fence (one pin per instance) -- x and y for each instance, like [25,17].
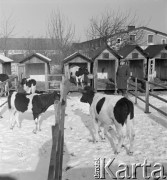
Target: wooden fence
[147,92]
[56,158]
[54,81]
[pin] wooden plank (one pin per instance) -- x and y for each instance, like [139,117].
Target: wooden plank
[3,103]
[54,75]
[46,82]
[55,133]
[56,160]
[54,81]
[159,85]
[61,157]
[54,89]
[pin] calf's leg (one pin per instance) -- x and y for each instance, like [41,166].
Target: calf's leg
[121,137]
[17,119]
[37,124]
[130,134]
[12,118]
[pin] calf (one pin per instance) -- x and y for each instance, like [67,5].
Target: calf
[4,88]
[36,103]
[106,113]
[78,74]
[29,85]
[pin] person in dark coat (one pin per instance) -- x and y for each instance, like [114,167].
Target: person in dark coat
[122,75]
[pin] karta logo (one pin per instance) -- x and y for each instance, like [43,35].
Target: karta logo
[123,170]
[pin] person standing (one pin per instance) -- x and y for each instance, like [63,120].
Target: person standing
[122,75]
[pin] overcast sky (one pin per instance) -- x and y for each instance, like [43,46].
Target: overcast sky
[31,16]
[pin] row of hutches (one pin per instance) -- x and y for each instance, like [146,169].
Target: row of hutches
[102,64]
[35,66]
[150,63]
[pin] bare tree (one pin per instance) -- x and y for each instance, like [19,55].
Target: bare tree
[61,32]
[6,31]
[110,25]
[28,45]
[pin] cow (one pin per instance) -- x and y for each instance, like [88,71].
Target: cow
[78,74]
[4,88]
[29,85]
[35,103]
[112,115]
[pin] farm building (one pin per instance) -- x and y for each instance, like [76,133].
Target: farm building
[76,59]
[158,61]
[15,63]
[136,58]
[35,66]
[105,67]
[5,65]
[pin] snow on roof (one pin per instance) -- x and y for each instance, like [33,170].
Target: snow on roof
[43,56]
[5,59]
[71,55]
[78,53]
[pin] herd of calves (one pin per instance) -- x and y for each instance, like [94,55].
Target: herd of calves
[112,115]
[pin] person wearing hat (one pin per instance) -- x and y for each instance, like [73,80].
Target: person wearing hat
[122,75]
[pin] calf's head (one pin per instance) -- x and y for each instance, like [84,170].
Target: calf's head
[23,81]
[87,95]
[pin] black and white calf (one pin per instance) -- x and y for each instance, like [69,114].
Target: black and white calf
[36,103]
[114,115]
[4,88]
[29,85]
[78,74]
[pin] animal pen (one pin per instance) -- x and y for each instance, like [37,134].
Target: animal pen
[136,59]
[104,68]
[56,158]
[5,65]
[76,59]
[35,66]
[158,63]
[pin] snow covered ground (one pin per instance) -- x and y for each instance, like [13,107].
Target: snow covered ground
[80,153]
[25,156]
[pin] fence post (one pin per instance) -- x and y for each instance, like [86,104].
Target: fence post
[147,98]
[16,82]
[136,93]
[46,82]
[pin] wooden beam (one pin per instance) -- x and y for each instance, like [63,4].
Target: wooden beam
[46,77]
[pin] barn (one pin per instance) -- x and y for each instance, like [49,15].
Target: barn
[105,64]
[76,59]
[5,65]
[136,58]
[158,61]
[35,66]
